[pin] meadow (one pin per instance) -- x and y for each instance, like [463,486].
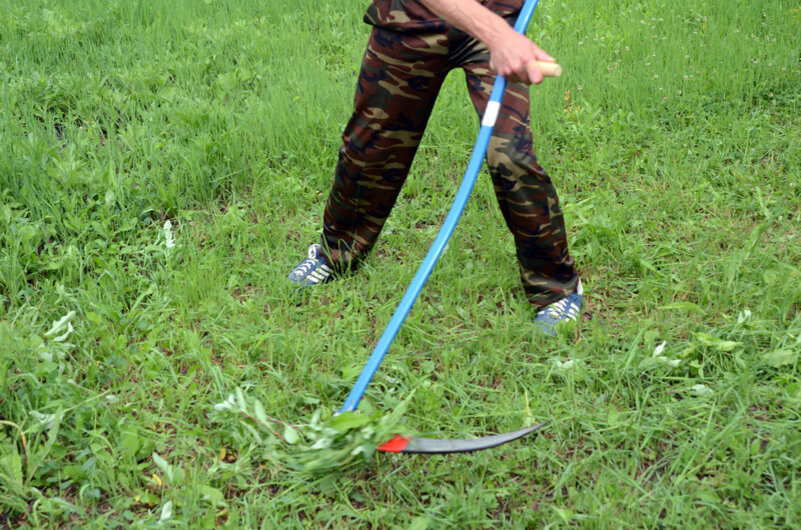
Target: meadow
[163,166]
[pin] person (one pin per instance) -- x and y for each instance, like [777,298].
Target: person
[412,47]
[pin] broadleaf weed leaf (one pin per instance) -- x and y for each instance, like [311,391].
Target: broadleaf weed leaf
[701,390]
[166,512]
[164,466]
[781,357]
[58,326]
[291,435]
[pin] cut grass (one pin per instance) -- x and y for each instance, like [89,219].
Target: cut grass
[674,141]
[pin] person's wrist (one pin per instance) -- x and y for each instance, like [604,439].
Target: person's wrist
[496,33]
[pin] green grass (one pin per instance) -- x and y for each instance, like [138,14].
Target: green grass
[674,138]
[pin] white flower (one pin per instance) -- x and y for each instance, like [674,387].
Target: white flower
[658,350]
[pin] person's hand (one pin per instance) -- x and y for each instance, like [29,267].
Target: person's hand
[515,57]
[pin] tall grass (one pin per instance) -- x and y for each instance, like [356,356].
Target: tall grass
[673,138]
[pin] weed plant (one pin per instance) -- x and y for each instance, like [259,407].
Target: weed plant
[163,166]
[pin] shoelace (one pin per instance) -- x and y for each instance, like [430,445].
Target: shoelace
[304,267]
[563,307]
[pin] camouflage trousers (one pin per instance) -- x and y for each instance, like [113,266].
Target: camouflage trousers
[400,77]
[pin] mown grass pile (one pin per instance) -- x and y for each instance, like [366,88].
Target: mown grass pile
[163,167]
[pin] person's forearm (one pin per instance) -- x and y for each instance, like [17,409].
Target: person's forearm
[512,55]
[471,17]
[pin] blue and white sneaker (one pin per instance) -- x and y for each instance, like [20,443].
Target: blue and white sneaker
[565,310]
[314,270]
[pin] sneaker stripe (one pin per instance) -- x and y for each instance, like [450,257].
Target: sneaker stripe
[313,270]
[564,310]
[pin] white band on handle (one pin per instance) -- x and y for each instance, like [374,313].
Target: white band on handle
[491,114]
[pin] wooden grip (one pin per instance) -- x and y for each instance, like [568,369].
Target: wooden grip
[549,69]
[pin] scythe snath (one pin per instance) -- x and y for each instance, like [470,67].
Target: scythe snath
[414,444]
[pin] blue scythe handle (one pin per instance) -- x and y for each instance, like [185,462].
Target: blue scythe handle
[459,202]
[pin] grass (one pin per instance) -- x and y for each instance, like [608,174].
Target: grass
[673,137]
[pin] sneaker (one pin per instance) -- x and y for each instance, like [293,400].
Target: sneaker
[565,310]
[314,270]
